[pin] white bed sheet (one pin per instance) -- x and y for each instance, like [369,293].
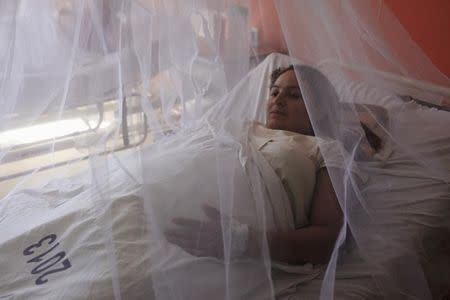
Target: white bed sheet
[71,215]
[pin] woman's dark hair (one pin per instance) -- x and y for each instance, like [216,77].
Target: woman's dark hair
[278,72]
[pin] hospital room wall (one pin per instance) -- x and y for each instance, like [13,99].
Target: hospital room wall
[428,23]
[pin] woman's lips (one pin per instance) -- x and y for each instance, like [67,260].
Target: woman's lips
[277,113]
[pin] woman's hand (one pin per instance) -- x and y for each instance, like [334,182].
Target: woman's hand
[206,238]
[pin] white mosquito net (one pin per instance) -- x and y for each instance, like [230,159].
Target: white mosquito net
[129,167]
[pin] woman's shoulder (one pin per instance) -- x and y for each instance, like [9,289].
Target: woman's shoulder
[296,144]
[260,129]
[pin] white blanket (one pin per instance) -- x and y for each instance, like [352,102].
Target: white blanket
[73,239]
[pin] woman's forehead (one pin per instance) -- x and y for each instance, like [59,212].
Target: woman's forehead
[287,79]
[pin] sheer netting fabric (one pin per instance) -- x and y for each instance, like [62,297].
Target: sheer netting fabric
[132,164]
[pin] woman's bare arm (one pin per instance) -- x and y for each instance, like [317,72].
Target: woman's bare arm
[315,242]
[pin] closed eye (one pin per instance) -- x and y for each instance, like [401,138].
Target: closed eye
[295,94]
[274,92]
[290,92]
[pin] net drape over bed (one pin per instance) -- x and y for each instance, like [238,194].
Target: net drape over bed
[366,36]
[122,121]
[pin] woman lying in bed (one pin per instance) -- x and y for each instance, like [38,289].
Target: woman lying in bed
[288,144]
[297,212]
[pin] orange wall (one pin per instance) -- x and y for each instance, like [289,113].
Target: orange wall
[427,21]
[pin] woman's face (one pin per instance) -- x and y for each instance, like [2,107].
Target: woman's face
[285,107]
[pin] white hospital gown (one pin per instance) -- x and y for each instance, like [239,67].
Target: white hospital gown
[296,159]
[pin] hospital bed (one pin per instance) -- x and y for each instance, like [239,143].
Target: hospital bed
[62,211]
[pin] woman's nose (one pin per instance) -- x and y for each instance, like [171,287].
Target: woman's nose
[279,99]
